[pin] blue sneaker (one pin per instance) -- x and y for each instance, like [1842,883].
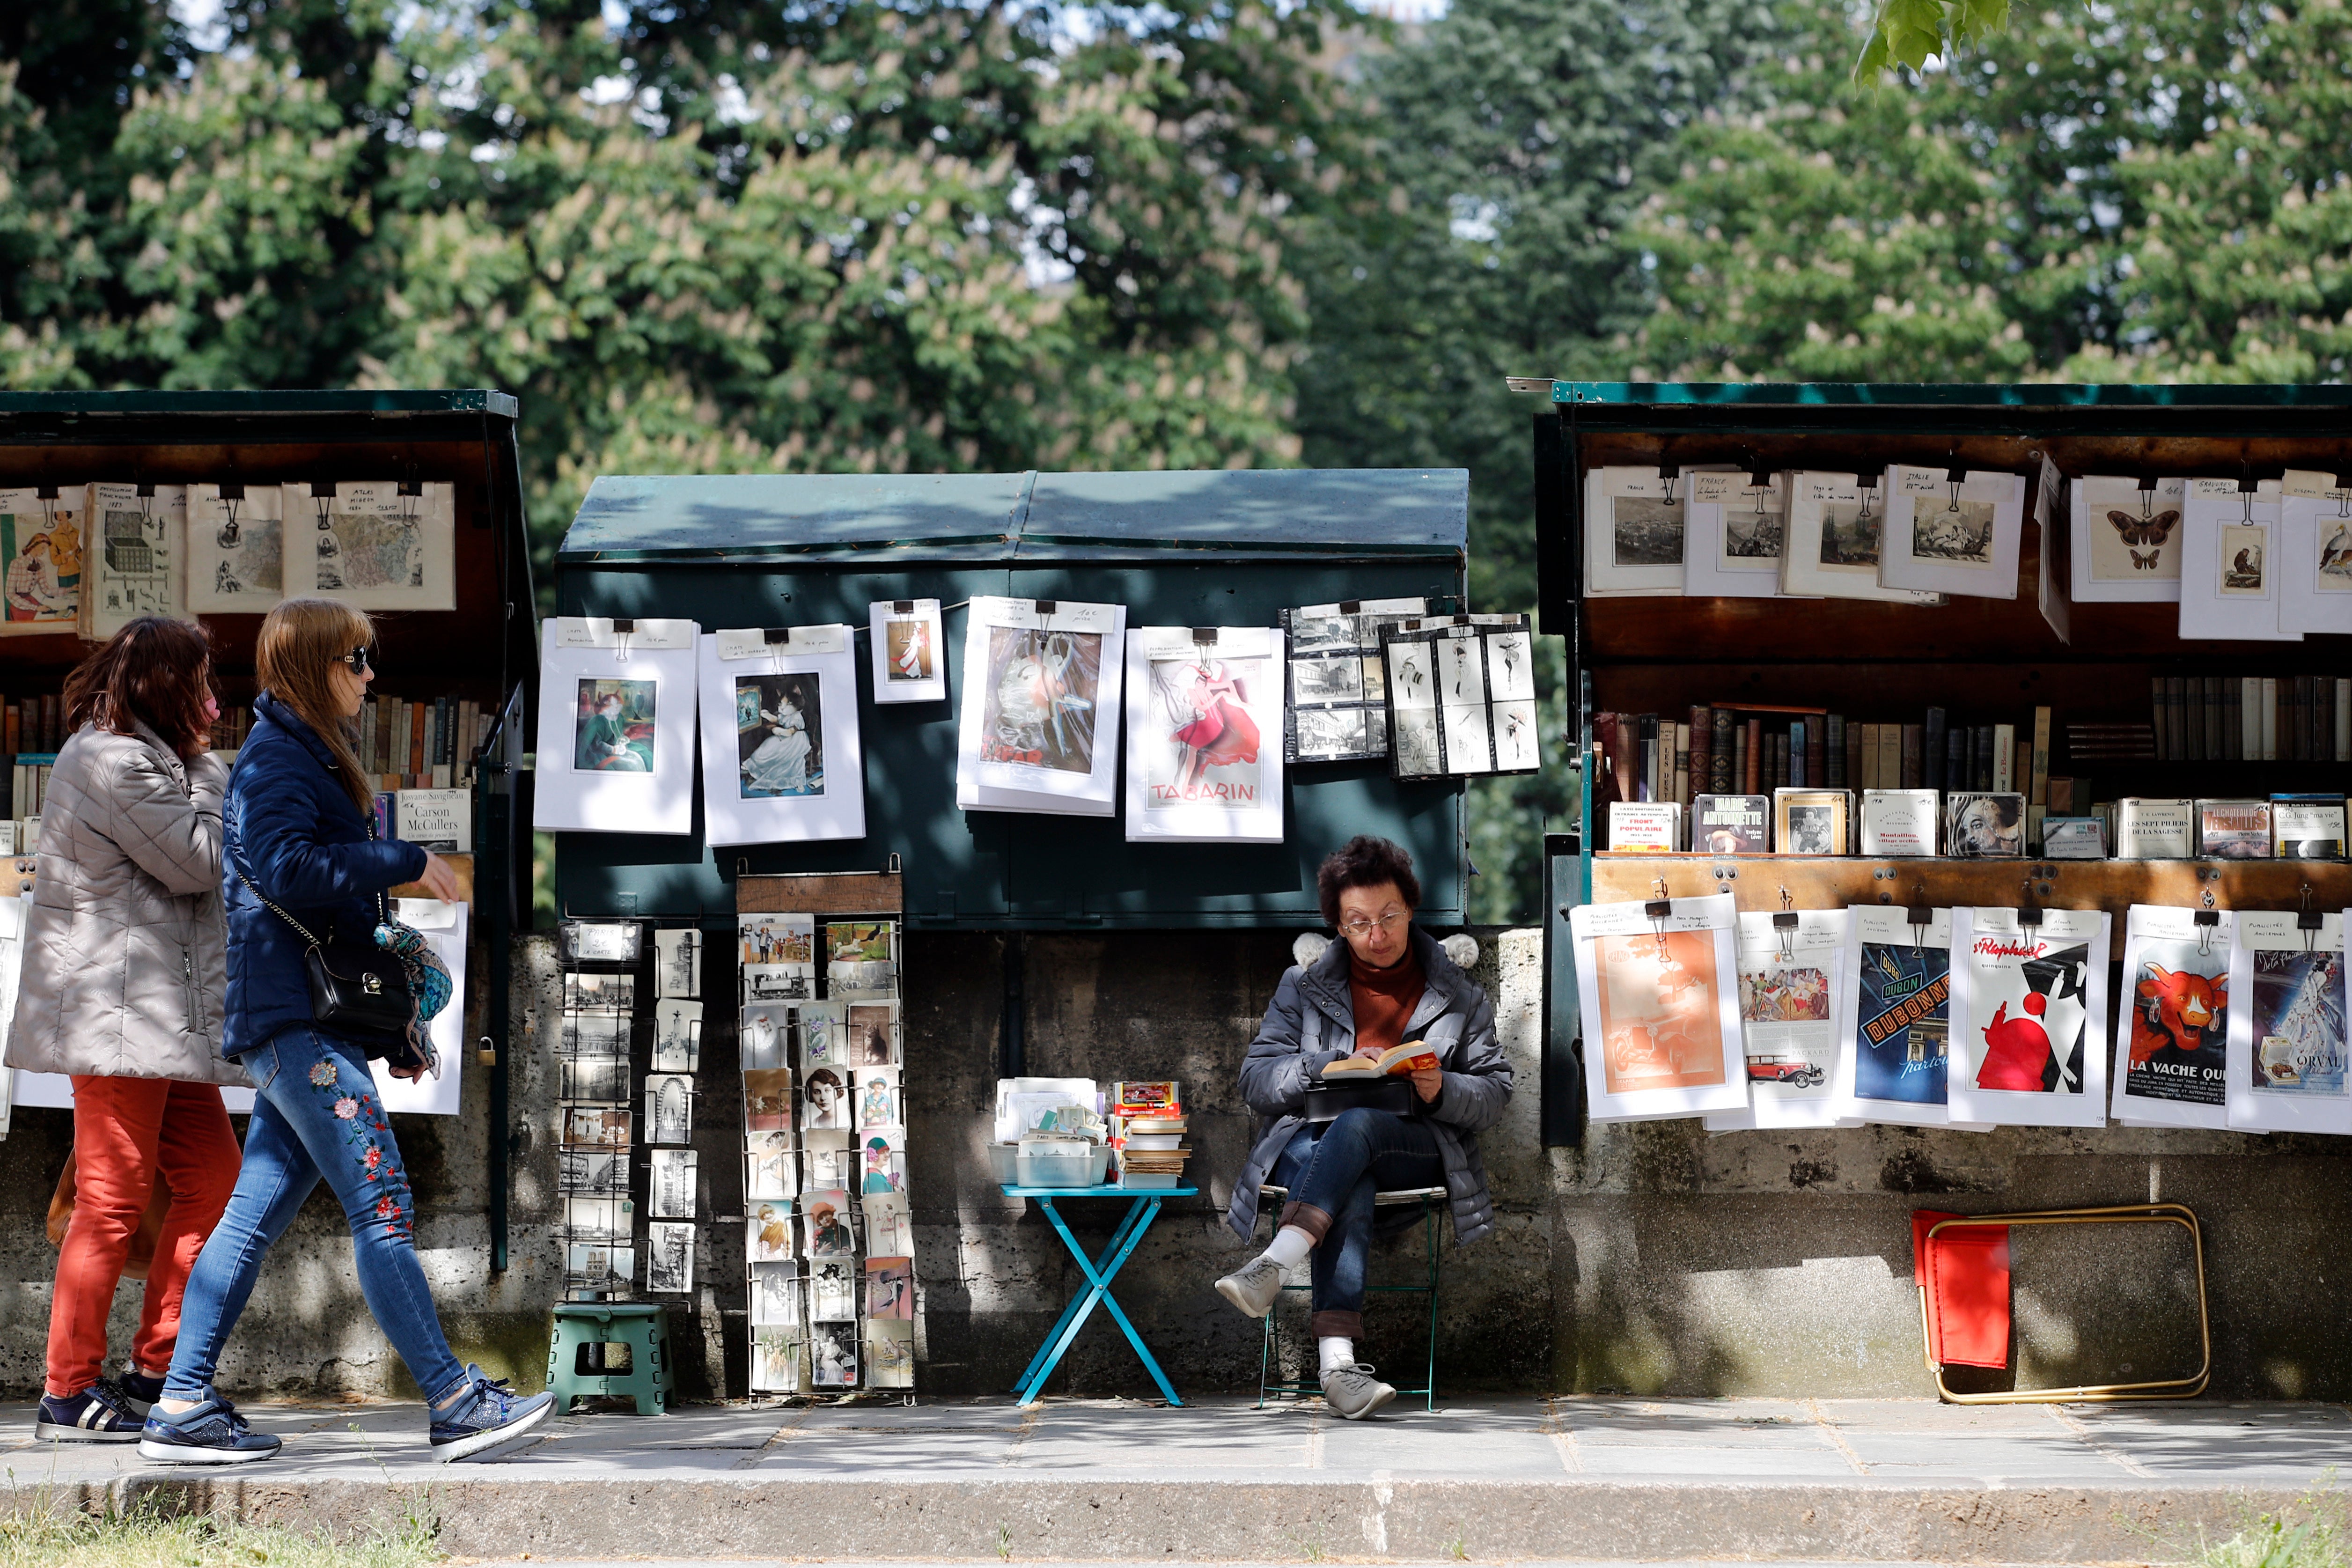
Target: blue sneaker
[487,1415]
[96,1414]
[211,1434]
[139,1390]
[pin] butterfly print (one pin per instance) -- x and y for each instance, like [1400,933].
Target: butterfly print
[2151,530]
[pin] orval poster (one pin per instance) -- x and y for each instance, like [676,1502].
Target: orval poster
[615,726]
[781,758]
[1789,1019]
[2172,1029]
[1204,735]
[1660,998]
[1038,729]
[2029,1017]
[2287,1038]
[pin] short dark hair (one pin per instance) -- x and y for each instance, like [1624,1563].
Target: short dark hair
[1365,862]
[153,671]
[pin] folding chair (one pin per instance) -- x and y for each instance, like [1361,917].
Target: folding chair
[1961,1265]
[1432,1205]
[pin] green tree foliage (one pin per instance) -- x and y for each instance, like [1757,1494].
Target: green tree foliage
[2155,191]
[833,237]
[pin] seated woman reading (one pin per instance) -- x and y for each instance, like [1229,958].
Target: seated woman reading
[1385,983]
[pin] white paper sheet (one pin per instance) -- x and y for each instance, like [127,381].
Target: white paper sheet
[2127,541]
[373,547]
[236,550]
[1736,531]
[2000,1036]
[617,726]
[2172,1027]
[781,758]
[2287,1037]
[1635,529]
[2315,554]
[1837,530]
[910,650]
[1953,539]
[137,561]
[2231,560]
[444,927]
[1204,735]
[1660,1008]
[1039,726]
[1790,1021]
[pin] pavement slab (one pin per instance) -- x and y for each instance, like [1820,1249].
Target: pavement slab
[1489,1479]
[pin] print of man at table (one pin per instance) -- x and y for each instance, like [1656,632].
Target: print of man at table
[1385,982]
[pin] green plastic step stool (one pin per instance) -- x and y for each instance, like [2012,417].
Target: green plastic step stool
[583,1326]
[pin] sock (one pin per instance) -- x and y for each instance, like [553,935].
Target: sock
[1332,1351]
[1289,1247]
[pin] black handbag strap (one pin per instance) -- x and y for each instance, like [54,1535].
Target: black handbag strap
[382,912]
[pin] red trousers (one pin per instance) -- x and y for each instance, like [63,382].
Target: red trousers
[129,1134]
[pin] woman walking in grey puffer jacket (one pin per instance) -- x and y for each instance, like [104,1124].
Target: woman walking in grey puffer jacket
[123,968]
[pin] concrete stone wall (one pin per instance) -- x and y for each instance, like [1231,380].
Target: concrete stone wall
[1656,1258]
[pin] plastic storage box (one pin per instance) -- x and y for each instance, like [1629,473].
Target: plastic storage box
[1084,1166]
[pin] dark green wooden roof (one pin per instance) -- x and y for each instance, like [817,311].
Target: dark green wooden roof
[1266,512]
[499,405]
[1951,395]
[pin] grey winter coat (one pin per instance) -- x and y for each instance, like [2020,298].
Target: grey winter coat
[1312,1021]
[125,949]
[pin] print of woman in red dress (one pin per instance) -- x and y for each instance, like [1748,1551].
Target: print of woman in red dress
[1221,731]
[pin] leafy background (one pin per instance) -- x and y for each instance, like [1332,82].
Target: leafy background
[852,237]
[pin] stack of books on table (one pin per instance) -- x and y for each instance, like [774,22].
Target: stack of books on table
[1147,1127]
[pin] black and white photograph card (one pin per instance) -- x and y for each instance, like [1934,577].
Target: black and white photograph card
[1453,686]
[775,1295]
[670,1189]
[592,1171]
[669,1258]
[1837,531]
[600,941]
[771,1167]
[2125,539]
[2231,561]
[1737,529]
[1953,532]
[833,1290]
[669,1108]
[1334,681]
[678,1036]
[1635,527]
[678,963]
[596,1218]
[2315,545]
[764,1036]
[832,1354]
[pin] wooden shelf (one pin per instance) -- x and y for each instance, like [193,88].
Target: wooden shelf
[1822,882]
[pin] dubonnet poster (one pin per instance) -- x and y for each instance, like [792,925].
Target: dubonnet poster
[1204,735]
[781,758]
[1039,725]
[1661,1007]
[2029,1018]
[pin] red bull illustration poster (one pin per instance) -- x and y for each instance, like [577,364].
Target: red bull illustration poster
[2172,1029]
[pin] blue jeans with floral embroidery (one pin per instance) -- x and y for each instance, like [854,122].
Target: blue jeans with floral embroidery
[316,1115]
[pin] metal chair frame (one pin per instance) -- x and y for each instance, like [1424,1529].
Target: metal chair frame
[2097,1392]
[1433,1204]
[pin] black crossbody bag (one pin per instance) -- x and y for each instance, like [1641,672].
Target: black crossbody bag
[359,992]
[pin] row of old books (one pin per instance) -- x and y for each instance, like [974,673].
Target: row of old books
[1732,749]
[2268,719]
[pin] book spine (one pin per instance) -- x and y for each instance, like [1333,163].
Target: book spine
[1645,766]
[1980,756]
[2270,718]
[2343,719]
[415,749]
[2233,719]
[1833,750]
[1956,757]
[1933,742]
[2156,719]
[1853,754]
[2176,699]
[1721,756]
[1797,753]
[2250,718]
[2217,717]
[1702,741]
[1914,761]
[1866,773]
[1890,756]
[1817,752]
[1780,761]
[2193,698]
[2039,780]
[1754,770]
[1623,747]
[1682,790]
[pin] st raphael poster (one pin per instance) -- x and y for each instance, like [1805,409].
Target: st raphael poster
[781,761]
[1660,998]
[1789,1020]
[2030,1019]
[2287,1043]
[615,726]
[2172,1034]
[1204,735]
[1039,725]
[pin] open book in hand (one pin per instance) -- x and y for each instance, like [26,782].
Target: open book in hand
[1413,1056]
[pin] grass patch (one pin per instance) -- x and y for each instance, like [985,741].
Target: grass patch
[2316,1532]
[41,1535]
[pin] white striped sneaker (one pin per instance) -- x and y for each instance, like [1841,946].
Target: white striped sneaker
[96,1414]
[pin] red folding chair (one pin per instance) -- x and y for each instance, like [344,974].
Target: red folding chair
[1961,1265]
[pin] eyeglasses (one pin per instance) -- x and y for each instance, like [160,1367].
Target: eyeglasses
[358,658]
[1388,922]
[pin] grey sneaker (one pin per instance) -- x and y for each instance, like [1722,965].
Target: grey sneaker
[1253,1287]
[1353,1393]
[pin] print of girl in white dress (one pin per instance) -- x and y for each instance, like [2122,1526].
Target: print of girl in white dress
[780,764]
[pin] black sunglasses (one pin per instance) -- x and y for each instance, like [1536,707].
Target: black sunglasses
[358,658]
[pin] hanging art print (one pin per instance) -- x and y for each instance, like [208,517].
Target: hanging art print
[1659,991]
[1787,1019]
[1953,532]
[781,760]
[236,549]
[2316,542]
[1204,735]
[378,545]
[2230,562]
[2125,539]
[1039,727]
[134,568]
[41,559]
[615,726]
[2287,1038]
[1894,1037]
[909,652]
[2173,1037]
[2029,1017]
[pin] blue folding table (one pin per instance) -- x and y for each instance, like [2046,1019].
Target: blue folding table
[1099,1270]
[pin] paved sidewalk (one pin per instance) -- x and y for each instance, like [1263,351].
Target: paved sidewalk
[1623,1479]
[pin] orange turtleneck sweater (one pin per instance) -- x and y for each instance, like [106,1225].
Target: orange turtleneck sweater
[1385,999]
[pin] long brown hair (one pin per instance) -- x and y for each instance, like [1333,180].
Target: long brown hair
[152,673]
[299,640]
